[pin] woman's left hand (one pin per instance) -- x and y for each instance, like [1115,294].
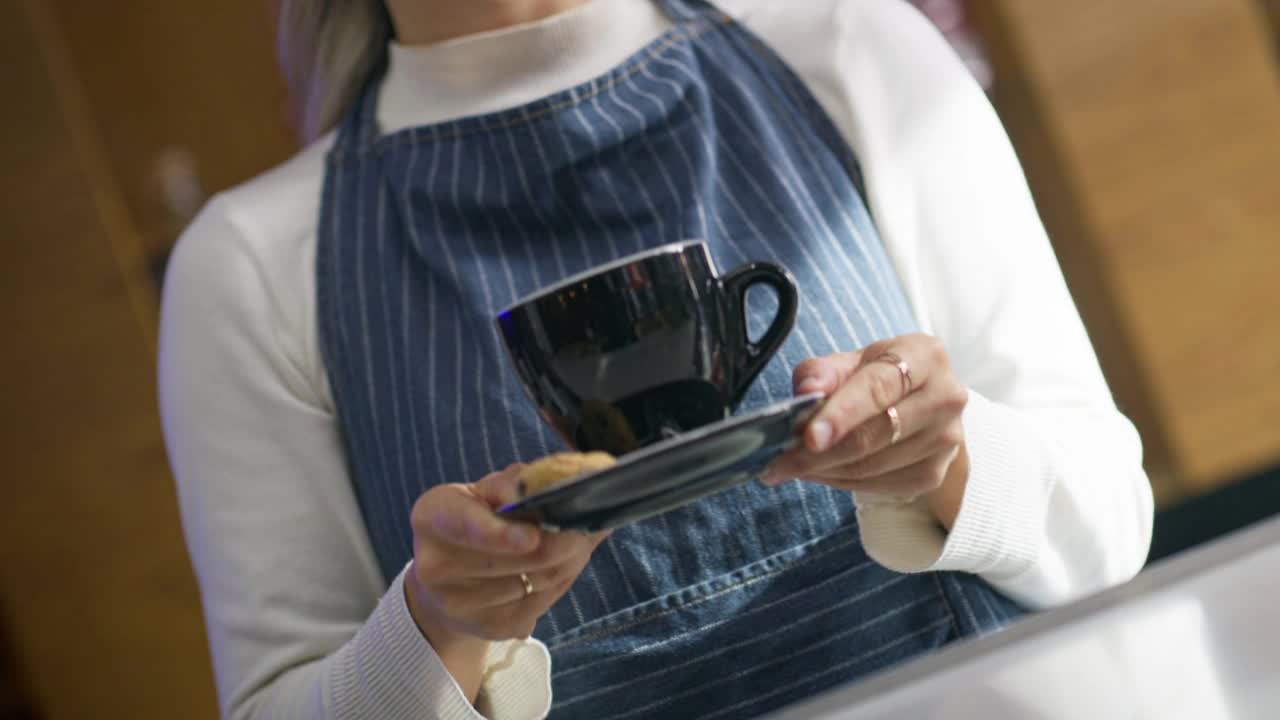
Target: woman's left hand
[890,424]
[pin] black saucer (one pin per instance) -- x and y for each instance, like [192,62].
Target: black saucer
[671,473]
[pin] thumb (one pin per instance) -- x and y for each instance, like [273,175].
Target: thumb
[459,516]
[499,488]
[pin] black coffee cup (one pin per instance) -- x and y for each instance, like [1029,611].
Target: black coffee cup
[644,348]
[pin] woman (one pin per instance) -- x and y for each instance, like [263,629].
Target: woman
[341,421]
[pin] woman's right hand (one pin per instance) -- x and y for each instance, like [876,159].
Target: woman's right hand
[465,585]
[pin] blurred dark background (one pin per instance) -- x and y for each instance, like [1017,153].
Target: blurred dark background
[1150,130]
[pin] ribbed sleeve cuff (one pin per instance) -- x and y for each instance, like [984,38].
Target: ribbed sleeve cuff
[1002,515]
[391,672]
[517,681]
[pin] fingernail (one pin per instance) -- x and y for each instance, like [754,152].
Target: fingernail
[522,538]
[819,435]
[809,385]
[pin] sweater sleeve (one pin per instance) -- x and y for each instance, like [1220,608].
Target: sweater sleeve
[1057,503]
[299,619]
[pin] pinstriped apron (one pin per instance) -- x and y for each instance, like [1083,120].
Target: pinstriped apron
[730,607]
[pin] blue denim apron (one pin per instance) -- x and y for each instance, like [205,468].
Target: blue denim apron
[730,607]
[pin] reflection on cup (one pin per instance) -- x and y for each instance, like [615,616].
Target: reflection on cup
[643,348]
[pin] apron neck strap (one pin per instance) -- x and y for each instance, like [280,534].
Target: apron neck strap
[685,10]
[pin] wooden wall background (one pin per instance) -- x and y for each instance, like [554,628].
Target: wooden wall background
[99,605]
[1150,129]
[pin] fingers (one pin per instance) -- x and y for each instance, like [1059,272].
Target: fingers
[496,607]
[517,617]
[899,457]
[871,388]
[482,594]
[851,443]
[460,516]
[870,442]
[905,483]
[445,563]
[470,564]
[824,374]
[803,463]
[501,487]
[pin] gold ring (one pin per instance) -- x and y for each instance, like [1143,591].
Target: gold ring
[903,369]
[527,583]
[895,422]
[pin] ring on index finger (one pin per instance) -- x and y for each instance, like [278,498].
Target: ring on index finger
[903,369]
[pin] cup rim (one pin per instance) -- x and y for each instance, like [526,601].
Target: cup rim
[599,270]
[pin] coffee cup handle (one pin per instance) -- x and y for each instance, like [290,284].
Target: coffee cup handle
[736,283]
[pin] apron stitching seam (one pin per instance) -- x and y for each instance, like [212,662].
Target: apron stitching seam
[605,631]
[951,611]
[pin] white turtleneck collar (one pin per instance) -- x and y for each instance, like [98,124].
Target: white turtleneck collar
[499,69]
